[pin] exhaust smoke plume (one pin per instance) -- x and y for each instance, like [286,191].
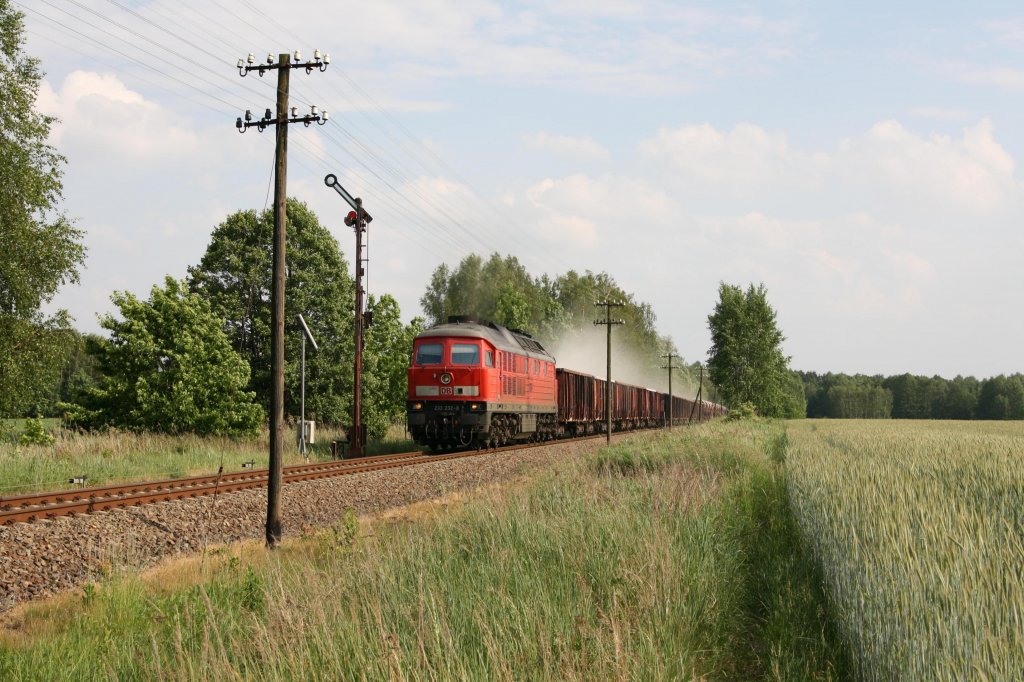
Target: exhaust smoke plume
[585,350]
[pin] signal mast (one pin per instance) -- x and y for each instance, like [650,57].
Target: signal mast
[357,219]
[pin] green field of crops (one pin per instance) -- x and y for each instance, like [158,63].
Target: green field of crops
[918,528]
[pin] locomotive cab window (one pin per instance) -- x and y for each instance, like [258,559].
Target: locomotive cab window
[489,358]
[465,354]
[429,354]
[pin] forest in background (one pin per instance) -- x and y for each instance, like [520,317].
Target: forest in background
[906,396]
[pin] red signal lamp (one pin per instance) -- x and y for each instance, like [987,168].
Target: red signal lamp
[350,219]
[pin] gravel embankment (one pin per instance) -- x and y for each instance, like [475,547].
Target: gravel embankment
[43,558]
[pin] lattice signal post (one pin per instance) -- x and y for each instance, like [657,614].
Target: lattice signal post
[283,66]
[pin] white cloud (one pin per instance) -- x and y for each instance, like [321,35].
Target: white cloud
[608,199]
[911,264]
[99,114]
[1008,31]
[973,173]
[641,48]
[943,114]
[1004,77]
[887,169]
[828,263]
[746,159]
[582,148]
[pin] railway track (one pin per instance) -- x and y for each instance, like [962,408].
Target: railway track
[39,506]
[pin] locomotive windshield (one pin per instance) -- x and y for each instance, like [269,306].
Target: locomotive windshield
[429,354]
[465,354]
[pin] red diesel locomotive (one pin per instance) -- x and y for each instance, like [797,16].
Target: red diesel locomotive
[479,384]
[475,383]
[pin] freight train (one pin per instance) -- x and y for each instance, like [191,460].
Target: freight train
[479,384]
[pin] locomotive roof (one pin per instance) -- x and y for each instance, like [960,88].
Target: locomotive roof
[500,337]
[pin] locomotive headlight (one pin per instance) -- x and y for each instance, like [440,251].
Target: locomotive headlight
[416,406]
[446,378]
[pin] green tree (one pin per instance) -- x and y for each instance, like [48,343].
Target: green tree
[41,247]
[961,399]
[234,275]
[78,370]
[169,367]
[794,399]
[1002,397]
[385,365]
[498,289]
[855,400]
[746,359]
[511,308]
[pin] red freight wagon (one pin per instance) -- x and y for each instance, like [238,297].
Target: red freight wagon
[580,402]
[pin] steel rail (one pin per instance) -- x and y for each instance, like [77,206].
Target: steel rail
[36,507]
[74,494]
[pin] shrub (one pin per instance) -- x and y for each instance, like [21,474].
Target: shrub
[35,433]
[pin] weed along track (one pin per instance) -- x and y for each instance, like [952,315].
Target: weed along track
[67,547]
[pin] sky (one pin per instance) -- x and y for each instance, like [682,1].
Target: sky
[858,159]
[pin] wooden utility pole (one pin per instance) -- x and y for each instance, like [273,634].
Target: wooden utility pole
[280,121]
[669,367]
[275,473]
[608,321]
[699,400]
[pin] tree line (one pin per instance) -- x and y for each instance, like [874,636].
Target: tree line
[907,396]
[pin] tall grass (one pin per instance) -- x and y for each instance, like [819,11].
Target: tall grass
[678,568]
[919,530]
[112,456]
